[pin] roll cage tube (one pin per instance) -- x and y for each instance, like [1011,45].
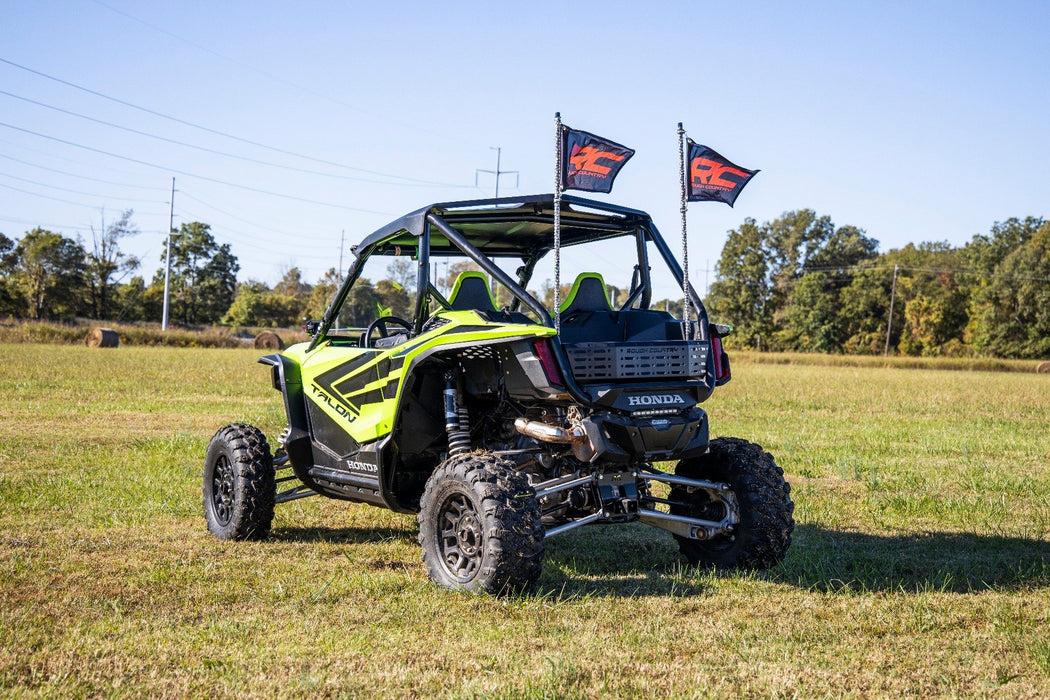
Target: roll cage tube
[502,277]
[422,277]
[351,276]
[643,269]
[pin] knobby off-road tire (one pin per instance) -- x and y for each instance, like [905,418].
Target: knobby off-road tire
[762,537]
[480,528]
[239,486]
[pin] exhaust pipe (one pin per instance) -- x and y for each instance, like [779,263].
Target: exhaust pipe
[549,433]
[582,448]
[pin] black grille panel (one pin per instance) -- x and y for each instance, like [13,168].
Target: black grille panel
[656,360]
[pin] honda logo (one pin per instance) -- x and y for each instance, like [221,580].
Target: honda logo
[655,400]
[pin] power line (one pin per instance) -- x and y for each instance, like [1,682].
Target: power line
[92,165]
[89,194]
[46,224]
[213,151]
[238,235]
[64,201]
[276,78]
[223,133]
[82,177]
[846,269]
[189,174]
[234,216]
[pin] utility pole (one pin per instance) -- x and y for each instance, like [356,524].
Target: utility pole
[889,323]
[497,172]
[167,263]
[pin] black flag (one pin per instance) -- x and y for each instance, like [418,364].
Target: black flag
[590,162]
[712,178]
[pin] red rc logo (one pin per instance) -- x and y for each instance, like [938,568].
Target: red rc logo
[709,173]
[585,160]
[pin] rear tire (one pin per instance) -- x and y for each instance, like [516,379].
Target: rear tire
[239,486]
[479,526]
[762,537]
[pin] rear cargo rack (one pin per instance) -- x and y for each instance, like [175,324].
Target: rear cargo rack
[649,360]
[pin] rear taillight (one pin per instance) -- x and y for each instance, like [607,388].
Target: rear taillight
[721,361]
[547,362]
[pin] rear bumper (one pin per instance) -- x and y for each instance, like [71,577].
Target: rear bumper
[617,438]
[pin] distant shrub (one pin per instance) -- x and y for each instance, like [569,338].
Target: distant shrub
[73,333]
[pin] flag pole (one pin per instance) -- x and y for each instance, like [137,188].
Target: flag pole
[557,220]
[686,305]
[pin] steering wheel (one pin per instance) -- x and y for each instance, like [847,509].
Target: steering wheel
[380,324]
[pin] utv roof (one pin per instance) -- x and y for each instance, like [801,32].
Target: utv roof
[509,226]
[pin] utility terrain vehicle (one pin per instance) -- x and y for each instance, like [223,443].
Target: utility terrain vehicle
[505,424]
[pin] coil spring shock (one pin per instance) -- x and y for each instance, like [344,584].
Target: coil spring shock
[457,419]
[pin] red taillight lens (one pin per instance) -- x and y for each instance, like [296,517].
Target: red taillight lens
[721,367]
[547,361]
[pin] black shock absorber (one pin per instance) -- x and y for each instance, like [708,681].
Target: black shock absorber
[457,420]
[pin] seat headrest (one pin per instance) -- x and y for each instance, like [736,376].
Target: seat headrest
[471,293]
[588,294]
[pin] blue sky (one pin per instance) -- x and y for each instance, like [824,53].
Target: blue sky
[915,121]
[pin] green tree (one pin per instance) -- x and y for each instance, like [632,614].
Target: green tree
[1013,308]
[811,321]
[790,242]
[322,294]
[106,264]
[863,307]
[394,299]
[361,306]
[760,268]
[249,305]
[203,275]
[403,271]
[12,300]
[131,300]
[984,252]
[292,285]
[282,311]
[48,269]
[931,306]
[741,292]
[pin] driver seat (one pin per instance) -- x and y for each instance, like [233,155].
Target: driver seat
[471,293]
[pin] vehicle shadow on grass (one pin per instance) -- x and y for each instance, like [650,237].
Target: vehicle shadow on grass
[950,562]
[341,535]
[638,560]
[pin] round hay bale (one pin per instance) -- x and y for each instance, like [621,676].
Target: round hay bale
[268,340]
[1043,367]
[102,338]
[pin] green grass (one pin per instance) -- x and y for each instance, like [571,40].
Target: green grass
[920,566]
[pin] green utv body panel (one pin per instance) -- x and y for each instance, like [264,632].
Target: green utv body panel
[360,388]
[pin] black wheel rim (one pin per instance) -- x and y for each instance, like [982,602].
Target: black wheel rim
[461,537]
[222,490]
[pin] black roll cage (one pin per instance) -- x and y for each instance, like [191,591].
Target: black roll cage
[582,221]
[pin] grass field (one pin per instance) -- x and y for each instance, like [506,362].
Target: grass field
[920,564]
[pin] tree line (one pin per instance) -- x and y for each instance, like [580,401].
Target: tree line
[45,275]
[801,283]
[797,283]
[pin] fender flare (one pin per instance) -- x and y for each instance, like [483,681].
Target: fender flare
[287,379]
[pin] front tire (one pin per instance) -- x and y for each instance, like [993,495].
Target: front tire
[239,484]
[763,535]
[480,528]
